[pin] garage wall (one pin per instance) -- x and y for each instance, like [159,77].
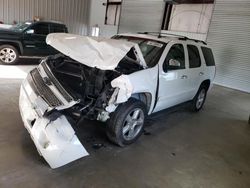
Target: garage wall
[229,35]
[97,18]
[72,12]
[141,15]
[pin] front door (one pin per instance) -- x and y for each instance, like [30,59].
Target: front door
[173,80]
[34,40]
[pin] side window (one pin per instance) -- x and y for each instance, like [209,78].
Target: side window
[57,29]
[175,59]
[194,56]
[208,55]
[41,29]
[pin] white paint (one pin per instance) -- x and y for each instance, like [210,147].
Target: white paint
[97,18]
[55,140]
[173,89]
[191,18]
[178,86]
[125,88]
[144,81]
[101,53]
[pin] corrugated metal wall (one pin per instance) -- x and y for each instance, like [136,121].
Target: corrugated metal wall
[229,35]
[141,15]
[74,13]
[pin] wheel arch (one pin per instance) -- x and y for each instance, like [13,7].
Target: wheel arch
[15,44]
[206,83]
[144,97]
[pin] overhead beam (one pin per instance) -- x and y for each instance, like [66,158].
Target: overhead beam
[189,1]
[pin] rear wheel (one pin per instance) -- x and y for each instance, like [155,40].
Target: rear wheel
[199,99]
[8,55]
[126,124]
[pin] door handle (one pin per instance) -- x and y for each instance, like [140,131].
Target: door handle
[184,77]
[201,73]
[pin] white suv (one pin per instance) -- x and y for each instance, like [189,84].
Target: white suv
[119,81]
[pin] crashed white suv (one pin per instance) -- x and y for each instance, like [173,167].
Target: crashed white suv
[119,81]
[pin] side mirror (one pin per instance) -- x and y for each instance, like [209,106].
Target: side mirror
[30,31]
[174,63]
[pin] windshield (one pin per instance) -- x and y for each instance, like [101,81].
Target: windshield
[21,26]
[151,49]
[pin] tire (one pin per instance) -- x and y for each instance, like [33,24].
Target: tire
[8,55]
[199,99]
[126,124]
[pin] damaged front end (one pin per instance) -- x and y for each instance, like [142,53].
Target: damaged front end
[60,92]
[41,105]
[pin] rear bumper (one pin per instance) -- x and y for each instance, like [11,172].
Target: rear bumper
[55,140]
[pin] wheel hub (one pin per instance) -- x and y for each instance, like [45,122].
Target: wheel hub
[201,98]
[133,124]
[7,55]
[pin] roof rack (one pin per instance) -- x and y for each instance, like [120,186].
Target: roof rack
[180,37]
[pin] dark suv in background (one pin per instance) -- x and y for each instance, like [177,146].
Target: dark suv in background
[28,39]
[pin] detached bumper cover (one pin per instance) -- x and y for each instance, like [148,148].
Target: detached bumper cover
[55,140]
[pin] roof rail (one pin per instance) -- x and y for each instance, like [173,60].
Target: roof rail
[51,21]
[180,37]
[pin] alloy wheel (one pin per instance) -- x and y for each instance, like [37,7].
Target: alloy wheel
[8,55]
[133,124]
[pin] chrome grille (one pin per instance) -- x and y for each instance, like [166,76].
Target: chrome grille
[43,90]
[56,83]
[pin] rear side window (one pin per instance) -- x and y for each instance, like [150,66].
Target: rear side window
[208,55]
[194,56]
[57,29]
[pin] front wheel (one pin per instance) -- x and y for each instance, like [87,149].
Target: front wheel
[199,99]
[126,124]
[8,55]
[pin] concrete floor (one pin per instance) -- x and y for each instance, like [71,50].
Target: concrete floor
[179,148]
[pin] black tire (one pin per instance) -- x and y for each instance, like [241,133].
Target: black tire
[13,55]
[202,93]
[119,118]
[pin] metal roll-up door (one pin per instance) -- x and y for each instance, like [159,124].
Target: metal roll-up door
[141,15]
[229,36]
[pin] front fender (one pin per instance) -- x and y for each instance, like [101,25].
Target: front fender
[144,81]
[11,42]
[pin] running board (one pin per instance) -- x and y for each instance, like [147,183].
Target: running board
[32,57]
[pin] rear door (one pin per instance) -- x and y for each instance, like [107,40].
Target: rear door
[195,69]
[173,81]
[34,40]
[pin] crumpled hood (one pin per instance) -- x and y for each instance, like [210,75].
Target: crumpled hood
[104,54]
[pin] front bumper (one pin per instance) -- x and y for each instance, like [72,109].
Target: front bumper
[55,140]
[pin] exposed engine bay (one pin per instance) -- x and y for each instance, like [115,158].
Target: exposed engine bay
[91,87]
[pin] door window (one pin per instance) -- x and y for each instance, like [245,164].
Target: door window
[41,29]
[175,59]
[194,56]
